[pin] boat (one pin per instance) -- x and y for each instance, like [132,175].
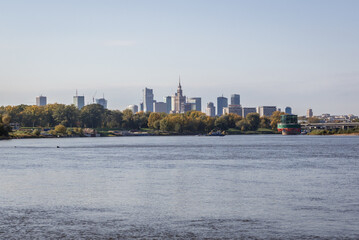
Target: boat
[217,133]
[289,125]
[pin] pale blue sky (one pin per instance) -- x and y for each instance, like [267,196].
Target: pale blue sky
[285,53]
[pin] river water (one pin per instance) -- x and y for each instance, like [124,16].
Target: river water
[255,187]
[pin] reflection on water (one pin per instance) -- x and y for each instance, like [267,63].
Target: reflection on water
[180,187]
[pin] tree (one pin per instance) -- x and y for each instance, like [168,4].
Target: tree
[154,120]
[141,120]
[112,119]
[243,125]
[221,122]
[60,129]
[253,121]
[275,119]
[264,122]
[6,119]
[92,115]
[128,122]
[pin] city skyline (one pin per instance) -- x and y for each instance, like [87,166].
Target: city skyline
[266,51]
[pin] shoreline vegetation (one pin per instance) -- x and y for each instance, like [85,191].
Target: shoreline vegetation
[60,120]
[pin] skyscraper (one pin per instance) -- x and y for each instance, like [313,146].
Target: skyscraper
[79,101]
[179,100]
[148,100]
[168,101]
[211,109]
[309,113]
[235,99]
[102,102]
[288,110]
[41,100]
[222,102]
[197,102]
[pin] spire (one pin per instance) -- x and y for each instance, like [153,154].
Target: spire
[179,81]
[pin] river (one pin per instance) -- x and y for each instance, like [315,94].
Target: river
[232,187]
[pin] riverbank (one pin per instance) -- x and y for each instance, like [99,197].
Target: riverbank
[77,132]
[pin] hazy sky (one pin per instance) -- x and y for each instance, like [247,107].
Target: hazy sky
[303,54]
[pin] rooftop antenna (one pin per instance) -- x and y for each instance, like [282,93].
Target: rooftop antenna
[76,93]
[93,97]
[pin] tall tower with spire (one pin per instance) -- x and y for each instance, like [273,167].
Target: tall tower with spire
[179,99]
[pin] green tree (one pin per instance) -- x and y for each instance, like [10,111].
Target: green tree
[253,121]
[92,115]
[112,119]
[154,120]
[221,122]
[243,125]
[264,122]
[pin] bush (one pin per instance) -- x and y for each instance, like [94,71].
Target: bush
[60,129]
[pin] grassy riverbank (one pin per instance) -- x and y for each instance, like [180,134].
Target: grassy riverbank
[353,132]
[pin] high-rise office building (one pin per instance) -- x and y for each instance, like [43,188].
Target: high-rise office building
[266,110]
[148,100]
[309,113]
[41,100]
[102,102]
[235,99]
[236,109]
[133,108]
[159,107]
[179,100]
[211,109]
[196,102]
[79,101]
[222,102]
[168,101]
[288,110]
[247,110]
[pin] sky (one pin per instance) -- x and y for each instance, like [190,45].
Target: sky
[303,54]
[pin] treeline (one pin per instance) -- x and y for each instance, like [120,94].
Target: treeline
[4,126]
[95,116]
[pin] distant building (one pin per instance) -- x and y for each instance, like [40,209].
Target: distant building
[159,107]
[102,102]
[279,110]
[222,102]
[179,100]
[211,109]
[266,110]
[235,99]
[288,110]
[168,101]
[148,100]
[41,100]
[133,108]
[309,113]
[247,110]
[196,103]
[188,107]
[236,109]
[141,107]
[79,101]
